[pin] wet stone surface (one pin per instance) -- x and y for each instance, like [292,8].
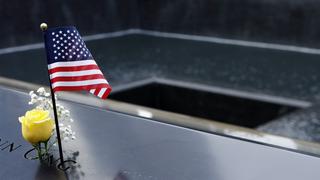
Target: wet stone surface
[130,58]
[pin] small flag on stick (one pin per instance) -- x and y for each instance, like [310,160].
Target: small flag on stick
[71,67]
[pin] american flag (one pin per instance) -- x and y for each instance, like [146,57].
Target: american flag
[71,65]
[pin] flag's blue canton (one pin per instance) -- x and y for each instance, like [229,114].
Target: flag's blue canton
[65,44]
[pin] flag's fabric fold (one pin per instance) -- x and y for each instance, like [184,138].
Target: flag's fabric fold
[71,65]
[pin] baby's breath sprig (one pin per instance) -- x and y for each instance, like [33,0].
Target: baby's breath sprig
[41,99]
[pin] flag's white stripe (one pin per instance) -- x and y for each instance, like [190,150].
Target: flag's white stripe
[74,73]
[102,91]
[92,91]
[72,63]
[79,83]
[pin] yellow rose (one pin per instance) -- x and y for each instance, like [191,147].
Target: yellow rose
[36,126]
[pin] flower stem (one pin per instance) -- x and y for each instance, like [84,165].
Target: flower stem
[38,148]
[46,147]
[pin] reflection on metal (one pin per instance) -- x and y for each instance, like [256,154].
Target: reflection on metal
[144,113]
[289,143]
[177,119]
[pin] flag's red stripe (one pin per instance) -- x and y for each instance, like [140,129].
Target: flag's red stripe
[73,68]
[106,94]
[78,78]
[97,87]
[97,91]
[79,88]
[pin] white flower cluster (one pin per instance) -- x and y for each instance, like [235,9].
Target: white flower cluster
[42,100]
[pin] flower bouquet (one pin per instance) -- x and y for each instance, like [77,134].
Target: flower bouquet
[37,125]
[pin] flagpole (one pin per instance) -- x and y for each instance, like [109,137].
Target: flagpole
[44,27]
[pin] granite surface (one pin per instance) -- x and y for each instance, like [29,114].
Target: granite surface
[130,58]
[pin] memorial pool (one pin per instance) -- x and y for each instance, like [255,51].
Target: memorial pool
[287,75]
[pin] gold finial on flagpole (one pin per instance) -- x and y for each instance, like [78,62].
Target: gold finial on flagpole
[43,26]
